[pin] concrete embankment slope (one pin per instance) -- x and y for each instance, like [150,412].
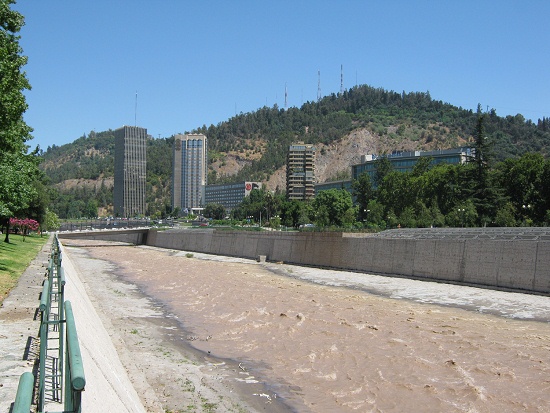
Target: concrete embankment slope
[476,257]
[108,387]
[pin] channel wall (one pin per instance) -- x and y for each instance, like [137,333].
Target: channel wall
[521,265]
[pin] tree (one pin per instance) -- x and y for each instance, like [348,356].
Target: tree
[214,211]
[383,168]
[16,190]
[332,207]
[363,194]
[483,194]
[292,213]
[18,169]
[24,225]
[51,221]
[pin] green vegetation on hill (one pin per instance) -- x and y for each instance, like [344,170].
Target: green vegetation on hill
[268,132]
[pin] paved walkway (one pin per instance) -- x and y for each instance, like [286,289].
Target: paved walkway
[19,326]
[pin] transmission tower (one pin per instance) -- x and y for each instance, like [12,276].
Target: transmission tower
[341,79]
[286,96]
[318,85]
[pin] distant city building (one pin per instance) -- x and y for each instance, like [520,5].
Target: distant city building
[229,195]
[400,161]
[130,171]
[405,161]
[190,172]
[300,172]
[344,184]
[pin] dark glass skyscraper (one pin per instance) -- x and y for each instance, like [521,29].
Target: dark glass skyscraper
[130,171]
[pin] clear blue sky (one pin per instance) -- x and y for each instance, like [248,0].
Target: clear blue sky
[195,63]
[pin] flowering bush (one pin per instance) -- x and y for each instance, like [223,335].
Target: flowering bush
[24,225]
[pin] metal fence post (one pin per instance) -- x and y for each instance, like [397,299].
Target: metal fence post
[23,398]
[75,380]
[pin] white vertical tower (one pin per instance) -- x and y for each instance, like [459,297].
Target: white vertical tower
[190,171]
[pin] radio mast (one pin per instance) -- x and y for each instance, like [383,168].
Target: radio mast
[319,86]
[135,111]
[342,79]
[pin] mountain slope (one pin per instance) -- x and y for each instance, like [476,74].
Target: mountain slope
[253,146]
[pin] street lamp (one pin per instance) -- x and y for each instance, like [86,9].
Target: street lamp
[526,213]
[366,214]
[461,212]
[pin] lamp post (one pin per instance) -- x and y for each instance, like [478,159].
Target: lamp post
[461,212]
[526,212]
[366,215]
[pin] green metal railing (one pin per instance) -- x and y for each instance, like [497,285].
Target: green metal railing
[60,373]
[74,379]
[23,399]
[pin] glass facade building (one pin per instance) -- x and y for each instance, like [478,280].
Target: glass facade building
[405,161]
[229,195]
[401,162]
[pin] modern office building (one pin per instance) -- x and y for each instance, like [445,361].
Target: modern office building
[190,172]
[130,171]
[400,161]
[405,161]
[229,195]
[342,184]
[300,172]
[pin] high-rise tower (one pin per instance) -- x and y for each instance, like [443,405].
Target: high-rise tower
[190,171]
[300,172]
[130,171]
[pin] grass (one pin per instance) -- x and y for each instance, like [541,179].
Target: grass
[15,257]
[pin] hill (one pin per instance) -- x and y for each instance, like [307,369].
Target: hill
[253,146]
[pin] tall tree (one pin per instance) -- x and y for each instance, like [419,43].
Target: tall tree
[363,193]
[483,193]
[18,168]
[333,207]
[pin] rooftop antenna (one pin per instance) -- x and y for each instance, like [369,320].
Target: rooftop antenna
[342,79]
[135,111]
[286,96]
[318,85]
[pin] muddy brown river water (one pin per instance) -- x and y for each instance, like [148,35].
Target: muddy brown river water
[334,349]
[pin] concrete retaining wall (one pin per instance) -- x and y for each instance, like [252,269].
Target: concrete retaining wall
[522,265]
[132,236]
[517,264]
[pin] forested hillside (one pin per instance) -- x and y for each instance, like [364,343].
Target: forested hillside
[253,146]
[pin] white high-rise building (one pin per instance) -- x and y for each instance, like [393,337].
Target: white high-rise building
[190,171]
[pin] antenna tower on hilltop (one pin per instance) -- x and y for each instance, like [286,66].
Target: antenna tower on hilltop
[286,95]
[342,79]
[318,85]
